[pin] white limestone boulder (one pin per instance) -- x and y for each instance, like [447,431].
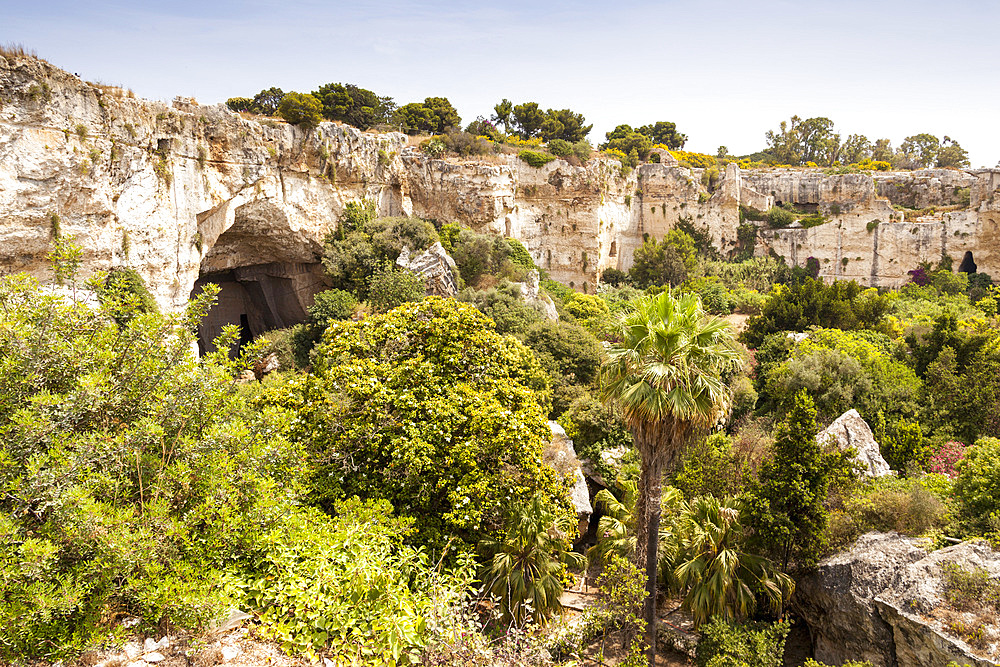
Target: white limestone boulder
[850,430]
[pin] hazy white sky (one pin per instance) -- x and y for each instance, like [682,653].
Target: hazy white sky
[724,71]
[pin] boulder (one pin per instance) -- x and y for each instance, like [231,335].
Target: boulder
[531,294]
[850,430]
[561,455]
[882,601]
[924,624]
[837,600]
[435,266]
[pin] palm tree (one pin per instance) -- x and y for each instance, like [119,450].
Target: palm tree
[525,565]
[665,374]
[616,529]
[719,577]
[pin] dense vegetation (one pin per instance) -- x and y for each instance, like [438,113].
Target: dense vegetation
[399,455]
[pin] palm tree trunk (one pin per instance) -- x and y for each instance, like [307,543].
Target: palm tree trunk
[649,610]
[654,455]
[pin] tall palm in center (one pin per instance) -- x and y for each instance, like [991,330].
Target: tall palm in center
[665,374]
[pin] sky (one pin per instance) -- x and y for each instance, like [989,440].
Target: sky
[725,72]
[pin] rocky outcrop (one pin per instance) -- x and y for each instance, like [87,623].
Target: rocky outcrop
[533,296]
[560,454]
[850,430]
[435,266]
[881,601]
[923,623]
[837,601]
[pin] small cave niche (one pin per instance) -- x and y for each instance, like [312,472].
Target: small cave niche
[968,265]
[614,249]
[257,299]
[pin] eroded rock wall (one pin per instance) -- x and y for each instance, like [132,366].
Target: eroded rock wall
[182,191]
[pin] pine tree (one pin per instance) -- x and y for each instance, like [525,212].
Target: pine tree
[788,514]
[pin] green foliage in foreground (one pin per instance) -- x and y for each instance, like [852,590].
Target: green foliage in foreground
[429,408]
[137,480]
[745,645]
[523,566]
[349,588]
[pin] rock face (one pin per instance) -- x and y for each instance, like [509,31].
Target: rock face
[881,602]
[185,193]
[435,266]
[559,454]
[850,430]
[922,624]
[532,295]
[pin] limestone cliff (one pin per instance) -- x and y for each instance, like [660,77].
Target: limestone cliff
[186,193]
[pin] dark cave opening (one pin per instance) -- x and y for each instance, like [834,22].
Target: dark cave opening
[968,265]
[258,298]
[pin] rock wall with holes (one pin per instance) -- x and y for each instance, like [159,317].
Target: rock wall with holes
[185,193]
[875,234]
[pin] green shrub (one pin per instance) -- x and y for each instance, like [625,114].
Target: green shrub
[535,159]
[569,354]
[969,589]
[301,109]
[124,293]
[353,255]
[333,304]
[977,488]
[391,286]
[280,343]
[560,147]
[313,571]
[478,255]
[465,144]
[778,217]
[429,408]
[614,277]
[519,255]
[744,645]
[510,313]
[915,506]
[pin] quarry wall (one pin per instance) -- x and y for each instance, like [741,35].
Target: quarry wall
[184,192]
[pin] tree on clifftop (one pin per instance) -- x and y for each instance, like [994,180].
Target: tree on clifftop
[434,115]
[301,109]
[664,132]
[353,105]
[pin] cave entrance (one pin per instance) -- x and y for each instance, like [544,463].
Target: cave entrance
[266,267]
[968,265]
[258,298]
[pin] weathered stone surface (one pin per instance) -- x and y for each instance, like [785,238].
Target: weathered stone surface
[850,430]
[837,601]
[435,266]
[559,453]
[882,601]
[919,615]
[531,293]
